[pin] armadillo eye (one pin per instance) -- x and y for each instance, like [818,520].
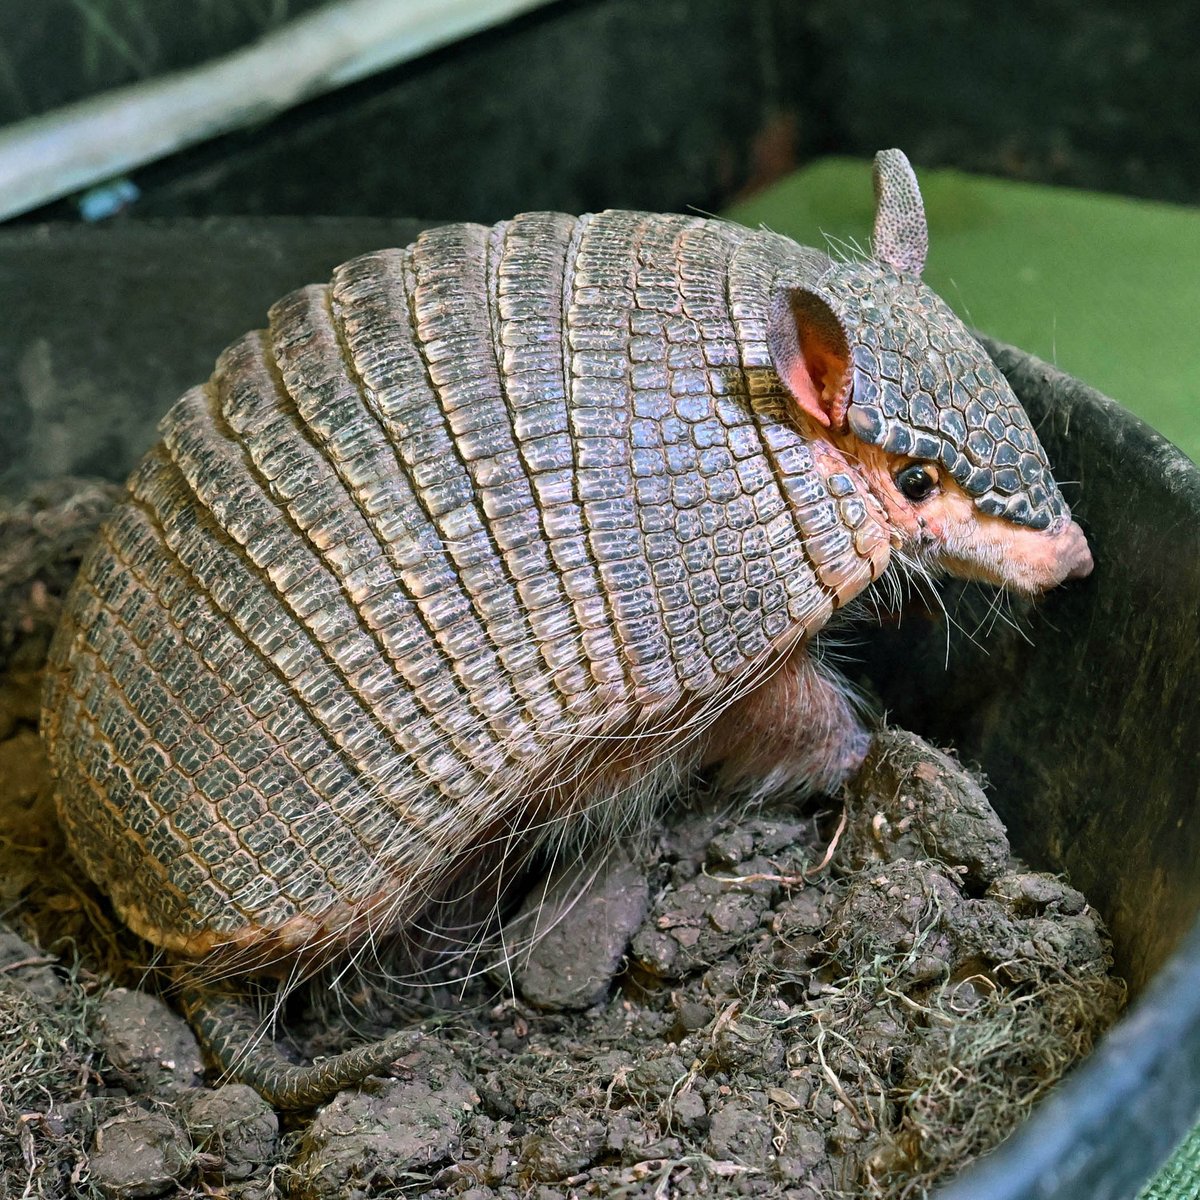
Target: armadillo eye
[917,481]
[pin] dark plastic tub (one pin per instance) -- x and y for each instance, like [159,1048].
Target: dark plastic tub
[1087,723]
[1090,734]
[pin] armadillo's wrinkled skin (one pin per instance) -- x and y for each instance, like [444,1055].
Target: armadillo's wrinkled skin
[473,502]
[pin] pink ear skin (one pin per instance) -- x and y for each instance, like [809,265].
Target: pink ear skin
[809,352]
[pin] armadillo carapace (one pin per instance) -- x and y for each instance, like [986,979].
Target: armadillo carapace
[508,527]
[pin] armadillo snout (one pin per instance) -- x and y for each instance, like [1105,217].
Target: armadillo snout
[1076,553]
[993,550]
[1043,559]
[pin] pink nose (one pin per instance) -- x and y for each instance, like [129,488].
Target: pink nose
[1076,553]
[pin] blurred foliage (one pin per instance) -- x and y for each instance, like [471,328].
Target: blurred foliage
[1103,286]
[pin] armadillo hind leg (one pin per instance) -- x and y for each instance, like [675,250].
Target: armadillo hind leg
[232,1036]
[798,728]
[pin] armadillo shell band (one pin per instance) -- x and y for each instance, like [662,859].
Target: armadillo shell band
[304,941]
[232,1037]
[922,387]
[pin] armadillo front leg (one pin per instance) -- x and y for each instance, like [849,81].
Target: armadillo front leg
[796,728]
[234,1039]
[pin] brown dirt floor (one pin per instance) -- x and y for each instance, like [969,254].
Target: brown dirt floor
[851,998]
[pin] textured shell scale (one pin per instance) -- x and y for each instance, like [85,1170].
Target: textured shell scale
[922,387]
[421,545]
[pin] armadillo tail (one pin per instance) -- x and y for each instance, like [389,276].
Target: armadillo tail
[232,1037]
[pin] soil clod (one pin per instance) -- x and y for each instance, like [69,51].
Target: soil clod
[147,1048]
[390,1134]
[913,801]
[234,1130]
[138,1153]
[576,936]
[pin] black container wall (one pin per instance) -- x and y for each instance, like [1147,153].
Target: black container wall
[103,328]
[578,105]
[587,103]
[1088,734]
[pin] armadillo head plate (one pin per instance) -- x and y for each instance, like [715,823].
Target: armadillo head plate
[907,373]
[921,386]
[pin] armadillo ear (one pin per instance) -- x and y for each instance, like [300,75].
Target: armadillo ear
[810,353]
[901,235]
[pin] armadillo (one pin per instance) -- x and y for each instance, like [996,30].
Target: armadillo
[506,532]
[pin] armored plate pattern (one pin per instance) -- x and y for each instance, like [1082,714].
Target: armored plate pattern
[447,523]
[923,387]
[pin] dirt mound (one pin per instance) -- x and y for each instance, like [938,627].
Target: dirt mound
[851,1000]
